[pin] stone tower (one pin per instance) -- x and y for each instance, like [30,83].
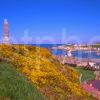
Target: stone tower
[6,32]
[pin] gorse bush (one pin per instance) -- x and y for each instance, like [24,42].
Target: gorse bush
[45,72]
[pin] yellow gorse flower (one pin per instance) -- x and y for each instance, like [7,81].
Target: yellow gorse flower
[43,70]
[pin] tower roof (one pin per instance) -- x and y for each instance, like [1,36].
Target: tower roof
[5,21]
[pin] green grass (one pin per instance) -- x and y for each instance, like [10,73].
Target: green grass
[15,86]
[86,74]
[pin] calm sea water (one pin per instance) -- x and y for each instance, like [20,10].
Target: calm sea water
[47,45]
[78,54]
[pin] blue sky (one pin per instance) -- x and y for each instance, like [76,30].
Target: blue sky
[58,21]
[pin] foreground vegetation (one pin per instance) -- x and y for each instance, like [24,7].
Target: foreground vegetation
[46,73]
[14,86]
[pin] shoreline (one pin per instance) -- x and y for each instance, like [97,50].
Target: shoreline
[77,48]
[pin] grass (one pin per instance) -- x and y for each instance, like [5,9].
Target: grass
[14,86]
[86,74]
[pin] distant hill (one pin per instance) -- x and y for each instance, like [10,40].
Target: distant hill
[96,44]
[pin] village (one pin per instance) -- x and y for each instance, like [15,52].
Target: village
[89,63]
[90,86]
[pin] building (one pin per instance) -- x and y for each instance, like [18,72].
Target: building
[6,32]
[69,53]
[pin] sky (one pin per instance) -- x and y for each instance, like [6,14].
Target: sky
[51,21]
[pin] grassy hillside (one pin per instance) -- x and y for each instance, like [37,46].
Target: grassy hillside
[86,74]
[45,72]
[14,86]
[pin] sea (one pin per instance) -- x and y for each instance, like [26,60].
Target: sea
[77,54]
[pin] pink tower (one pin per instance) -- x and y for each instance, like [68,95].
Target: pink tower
[6,32]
